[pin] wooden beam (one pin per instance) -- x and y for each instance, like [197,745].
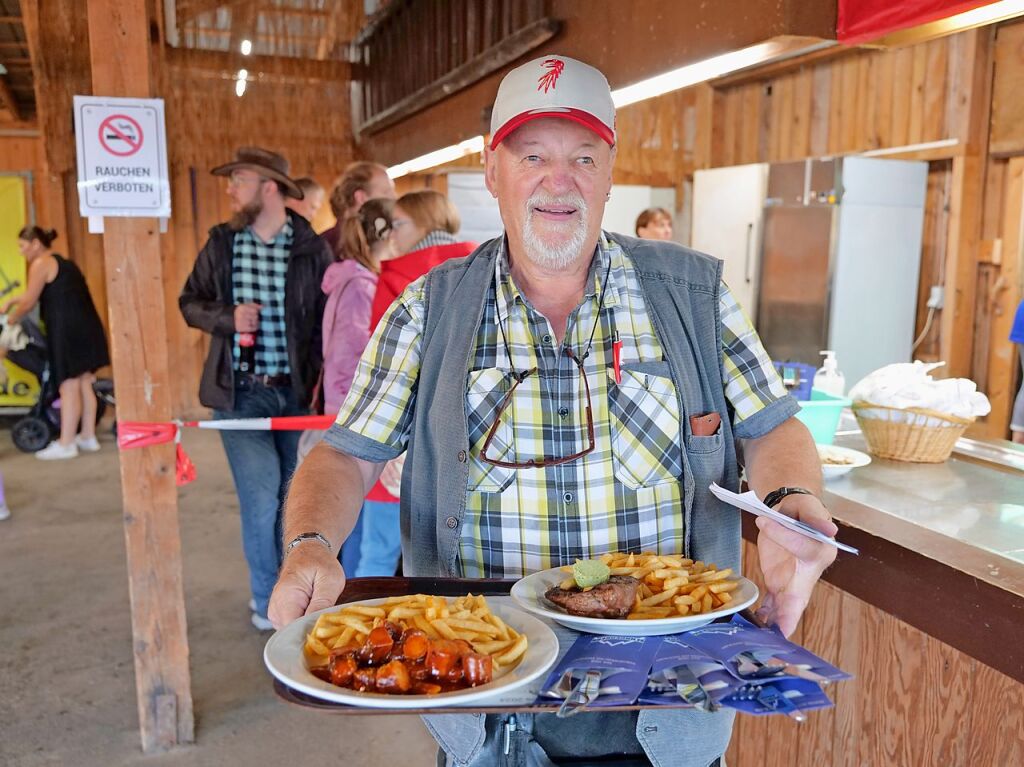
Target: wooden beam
[969,103]
[1003,364]
[119,33]
[8,100]
[281,68]
[190,9]
[704,127]
[490,60]
[784,66]
[332,29]
[262,36]
[10,20]
[243,25]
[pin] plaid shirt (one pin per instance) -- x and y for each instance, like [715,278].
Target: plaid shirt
[258,273]
[626,494]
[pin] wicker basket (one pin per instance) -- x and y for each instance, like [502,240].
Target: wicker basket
[909,434]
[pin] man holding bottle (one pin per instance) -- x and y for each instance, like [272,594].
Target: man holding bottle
[255,288]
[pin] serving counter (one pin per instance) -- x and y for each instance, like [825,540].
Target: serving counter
[929,618]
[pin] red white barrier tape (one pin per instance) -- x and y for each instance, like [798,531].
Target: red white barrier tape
[131,434]
[285,423]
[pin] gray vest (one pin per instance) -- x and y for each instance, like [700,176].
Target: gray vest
[681,290]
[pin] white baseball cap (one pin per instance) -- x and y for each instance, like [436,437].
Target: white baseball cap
[553,86]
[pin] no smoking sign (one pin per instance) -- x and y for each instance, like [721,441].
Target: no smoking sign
[121,135]
[122,157]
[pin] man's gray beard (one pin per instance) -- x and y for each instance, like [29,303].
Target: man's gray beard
[246,216]
[549,256]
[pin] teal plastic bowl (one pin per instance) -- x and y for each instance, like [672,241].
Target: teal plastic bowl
[821,415]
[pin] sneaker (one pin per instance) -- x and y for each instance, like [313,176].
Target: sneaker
[261,623]
[5,513]
[90,445]
[57,452]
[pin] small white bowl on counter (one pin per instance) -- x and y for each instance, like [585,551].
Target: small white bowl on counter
[837,461]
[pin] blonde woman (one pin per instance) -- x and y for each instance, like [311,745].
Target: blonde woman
[424,225]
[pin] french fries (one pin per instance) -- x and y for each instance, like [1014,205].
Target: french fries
[467,618]
[671,585]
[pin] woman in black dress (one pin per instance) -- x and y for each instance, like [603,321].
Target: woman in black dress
[76,344]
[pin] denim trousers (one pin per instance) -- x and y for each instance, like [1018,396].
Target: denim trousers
[1017,419]
[262,463]
[351,549]
[381,539]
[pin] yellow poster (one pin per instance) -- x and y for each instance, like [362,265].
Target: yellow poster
[21,388]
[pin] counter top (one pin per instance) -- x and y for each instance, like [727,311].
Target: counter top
[942,547]
[966,513]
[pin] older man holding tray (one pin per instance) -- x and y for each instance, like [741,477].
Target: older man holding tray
[563,392]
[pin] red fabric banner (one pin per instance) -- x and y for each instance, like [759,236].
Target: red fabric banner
[863,20]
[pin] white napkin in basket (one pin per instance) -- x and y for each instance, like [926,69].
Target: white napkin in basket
[910,385]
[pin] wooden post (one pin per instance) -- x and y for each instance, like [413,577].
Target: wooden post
[969,105]
[120,53]
[1002,357]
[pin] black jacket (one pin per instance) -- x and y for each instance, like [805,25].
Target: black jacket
[207,303]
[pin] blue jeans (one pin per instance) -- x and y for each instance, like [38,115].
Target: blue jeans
[262,463]
[350,549]
[382,540]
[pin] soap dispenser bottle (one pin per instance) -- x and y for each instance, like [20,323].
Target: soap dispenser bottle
[828,378]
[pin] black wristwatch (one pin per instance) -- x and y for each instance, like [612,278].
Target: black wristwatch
[772,499]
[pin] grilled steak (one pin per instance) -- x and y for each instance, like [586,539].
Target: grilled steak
[612,599]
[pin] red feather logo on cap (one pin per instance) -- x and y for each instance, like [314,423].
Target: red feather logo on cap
[547,80]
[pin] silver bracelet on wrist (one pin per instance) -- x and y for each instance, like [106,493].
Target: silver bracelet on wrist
[301,537]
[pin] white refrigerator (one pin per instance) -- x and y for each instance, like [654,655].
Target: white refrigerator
[830,260]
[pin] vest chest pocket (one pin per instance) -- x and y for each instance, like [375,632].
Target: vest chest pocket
[485,389]
[645,428]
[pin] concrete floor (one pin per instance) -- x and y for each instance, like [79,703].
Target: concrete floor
[67,686]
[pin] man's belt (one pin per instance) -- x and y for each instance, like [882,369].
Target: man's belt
[275,381]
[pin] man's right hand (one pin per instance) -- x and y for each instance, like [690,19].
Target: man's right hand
[311,579]
[247,318]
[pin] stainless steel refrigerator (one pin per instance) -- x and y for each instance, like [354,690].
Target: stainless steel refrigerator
[840,255]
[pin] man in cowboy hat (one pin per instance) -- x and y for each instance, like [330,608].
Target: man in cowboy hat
[561,393]
[257,279]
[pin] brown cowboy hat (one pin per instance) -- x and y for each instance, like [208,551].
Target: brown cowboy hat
[268,164]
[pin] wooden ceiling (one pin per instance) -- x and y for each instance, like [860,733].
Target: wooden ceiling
[17,94]
[305,29]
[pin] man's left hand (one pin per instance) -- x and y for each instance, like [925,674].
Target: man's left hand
[790,562]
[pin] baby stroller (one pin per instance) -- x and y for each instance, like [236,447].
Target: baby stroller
[37,428]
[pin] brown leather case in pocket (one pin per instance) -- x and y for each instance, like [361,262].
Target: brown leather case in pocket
[705,424]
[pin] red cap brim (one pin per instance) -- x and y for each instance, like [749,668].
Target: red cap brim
[585,119]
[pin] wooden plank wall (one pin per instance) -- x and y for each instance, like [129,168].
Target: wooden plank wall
[858,100]
[914,701]
[205,123]
[845,101]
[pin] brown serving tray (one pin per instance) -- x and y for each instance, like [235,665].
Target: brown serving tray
[357,589]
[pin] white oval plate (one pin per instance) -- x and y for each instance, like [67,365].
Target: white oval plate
[285,659]
[833,470]
[528,593]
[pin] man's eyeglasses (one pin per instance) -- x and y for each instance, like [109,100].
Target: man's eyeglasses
[532,463]
[235,181]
